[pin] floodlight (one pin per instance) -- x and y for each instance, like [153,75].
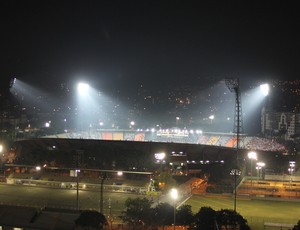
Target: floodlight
[264,89]
[83,88]
[260,164]
[159,156]
[252,155]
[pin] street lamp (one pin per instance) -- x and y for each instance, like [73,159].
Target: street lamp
[102,179]
[252,156]
[174,195]
[259,166]
[291,169]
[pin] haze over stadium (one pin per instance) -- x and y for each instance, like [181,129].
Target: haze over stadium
[101,101]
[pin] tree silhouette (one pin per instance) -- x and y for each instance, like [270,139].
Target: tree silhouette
[184,215]
[230,219]
[205,219]
[137,212]
[163,214]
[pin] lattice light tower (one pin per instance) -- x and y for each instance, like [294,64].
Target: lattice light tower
[234,86]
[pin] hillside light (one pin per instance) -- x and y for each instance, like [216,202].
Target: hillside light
[131,124]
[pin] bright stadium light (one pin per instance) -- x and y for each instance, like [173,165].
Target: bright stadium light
[83,88]
[252,155]
[265,89]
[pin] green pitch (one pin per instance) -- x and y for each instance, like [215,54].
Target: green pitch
[257,212]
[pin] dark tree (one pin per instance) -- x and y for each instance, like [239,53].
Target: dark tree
[163,214]
[137,212]
[90,220]
[205,219]
[297,226]
[184,215]
[230,219]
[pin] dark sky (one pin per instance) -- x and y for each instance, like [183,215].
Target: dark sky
[154,43]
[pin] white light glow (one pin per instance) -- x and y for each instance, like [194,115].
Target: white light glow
[252,155]
[265,89]
[159,156]
[174,193]
[83,88]
[261,164]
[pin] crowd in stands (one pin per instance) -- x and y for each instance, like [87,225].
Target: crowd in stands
[225,140]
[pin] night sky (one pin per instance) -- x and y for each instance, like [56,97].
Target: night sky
[154,43]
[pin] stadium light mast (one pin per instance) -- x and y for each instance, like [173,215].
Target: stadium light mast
[234,86]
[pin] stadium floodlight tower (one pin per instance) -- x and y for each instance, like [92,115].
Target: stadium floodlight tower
[234,86]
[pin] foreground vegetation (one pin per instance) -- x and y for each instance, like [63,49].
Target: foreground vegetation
[204,212]
[139,213]
[256,212]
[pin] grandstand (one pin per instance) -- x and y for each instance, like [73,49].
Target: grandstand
[179,136]
[269,188]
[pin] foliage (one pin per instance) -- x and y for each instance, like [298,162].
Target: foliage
[205,219]
[208,219]
[184,215]
[90,219]
[137,212]
[166,179]
[163,214]
[297,226]
[229,219]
